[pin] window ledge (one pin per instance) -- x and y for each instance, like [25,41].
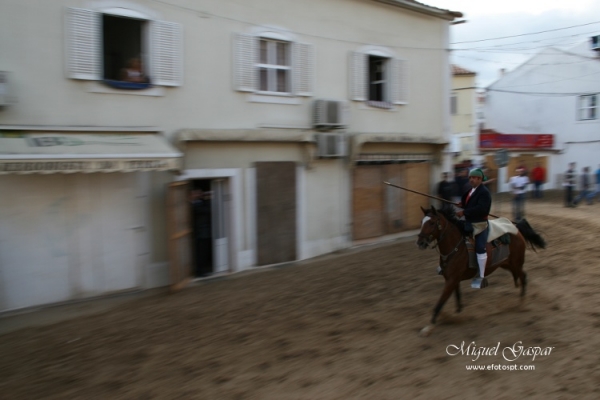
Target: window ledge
[274,99]
[101,87]
[378,105]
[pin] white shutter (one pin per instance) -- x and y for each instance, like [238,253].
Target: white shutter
[166,56]
[303,68]
[399,81]
[358,76]
[245,58]
[83,30]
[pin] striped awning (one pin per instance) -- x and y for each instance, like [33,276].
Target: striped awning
[68,152]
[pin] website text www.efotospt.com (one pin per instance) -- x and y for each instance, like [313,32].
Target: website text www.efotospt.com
[499,367]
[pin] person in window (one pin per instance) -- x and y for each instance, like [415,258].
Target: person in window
[134,72]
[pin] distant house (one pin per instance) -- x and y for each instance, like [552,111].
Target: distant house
[289,116]
[547,111]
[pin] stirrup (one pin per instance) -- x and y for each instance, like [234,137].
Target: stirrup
[479,283]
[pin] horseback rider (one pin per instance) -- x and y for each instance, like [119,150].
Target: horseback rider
[476,204]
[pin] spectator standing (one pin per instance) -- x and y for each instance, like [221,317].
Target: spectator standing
[518,185]
[569,184]
[538,176]
[445,189]
[585,187]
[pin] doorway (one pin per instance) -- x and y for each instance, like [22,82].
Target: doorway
[210,202]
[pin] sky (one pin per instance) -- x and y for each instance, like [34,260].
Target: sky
[498,19]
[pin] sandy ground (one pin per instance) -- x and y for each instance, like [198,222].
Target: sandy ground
[342,326]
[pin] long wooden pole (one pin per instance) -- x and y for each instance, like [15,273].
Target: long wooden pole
[430,196]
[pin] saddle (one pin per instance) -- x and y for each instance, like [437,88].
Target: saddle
[498,248]
[498,240]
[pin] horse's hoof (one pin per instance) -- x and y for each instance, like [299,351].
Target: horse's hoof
[426,331]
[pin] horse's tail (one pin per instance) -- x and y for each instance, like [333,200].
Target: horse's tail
[531,236]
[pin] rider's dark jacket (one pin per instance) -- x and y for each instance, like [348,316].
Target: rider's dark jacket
[479,204]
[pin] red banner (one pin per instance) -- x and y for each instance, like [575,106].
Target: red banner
[515,141]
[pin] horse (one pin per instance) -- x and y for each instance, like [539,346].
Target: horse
[442,229]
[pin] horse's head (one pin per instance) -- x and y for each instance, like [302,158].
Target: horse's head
[431,228]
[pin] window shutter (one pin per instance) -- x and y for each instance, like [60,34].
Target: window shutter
[245,58]
[358,76]
[83,44]
[399,81]
[303,68]
[167,60]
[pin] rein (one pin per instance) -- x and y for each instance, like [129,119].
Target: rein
[437,247]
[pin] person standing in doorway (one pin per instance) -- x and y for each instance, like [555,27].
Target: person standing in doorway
[518,185]
[202,232]
[538,175]
[569,184]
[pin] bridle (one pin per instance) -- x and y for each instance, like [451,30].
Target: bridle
[430,238]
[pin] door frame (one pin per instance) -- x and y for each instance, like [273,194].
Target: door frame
[233,175]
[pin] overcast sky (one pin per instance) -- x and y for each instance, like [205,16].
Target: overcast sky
[496,19]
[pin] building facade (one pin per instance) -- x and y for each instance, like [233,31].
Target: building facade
[289,116]
[550,102]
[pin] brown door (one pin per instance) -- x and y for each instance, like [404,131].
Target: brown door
[179,234]
[416,178]
[276,212]
[367,202]
[379,209]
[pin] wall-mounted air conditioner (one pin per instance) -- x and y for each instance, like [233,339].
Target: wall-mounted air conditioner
[595,42]
[329,114]
[331,145]
[6,95]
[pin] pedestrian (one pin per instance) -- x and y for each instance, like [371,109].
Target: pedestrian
[518,185]
[476,204]
[445,189]
[569,184]
[462,181]
[585,192]
[538,175]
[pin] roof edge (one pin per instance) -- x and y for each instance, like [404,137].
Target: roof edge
[424,9]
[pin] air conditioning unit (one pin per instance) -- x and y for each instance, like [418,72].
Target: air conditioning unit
[329,114]
[331,145]
[595,42]
[6,96]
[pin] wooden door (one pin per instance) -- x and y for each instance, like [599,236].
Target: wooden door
[417,177]
[367,202]
[179,234]
[276,212]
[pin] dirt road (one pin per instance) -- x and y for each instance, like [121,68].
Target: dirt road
[338,327]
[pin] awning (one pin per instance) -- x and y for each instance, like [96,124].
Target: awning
[66,152]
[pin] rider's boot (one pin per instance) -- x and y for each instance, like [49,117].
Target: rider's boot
[480,282]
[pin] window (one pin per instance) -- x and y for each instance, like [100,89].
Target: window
[453,104]
[102,44]
[273,64]
[378,78]
[587,107]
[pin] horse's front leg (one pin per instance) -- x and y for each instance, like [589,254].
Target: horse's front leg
[459,305]
[449,287]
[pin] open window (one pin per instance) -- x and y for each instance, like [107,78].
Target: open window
[273,64]
[123,48]
[378,78]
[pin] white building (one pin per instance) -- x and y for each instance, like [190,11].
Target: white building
[291,113]
[555,93]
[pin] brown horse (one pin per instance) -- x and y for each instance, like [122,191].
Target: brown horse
[443,229]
